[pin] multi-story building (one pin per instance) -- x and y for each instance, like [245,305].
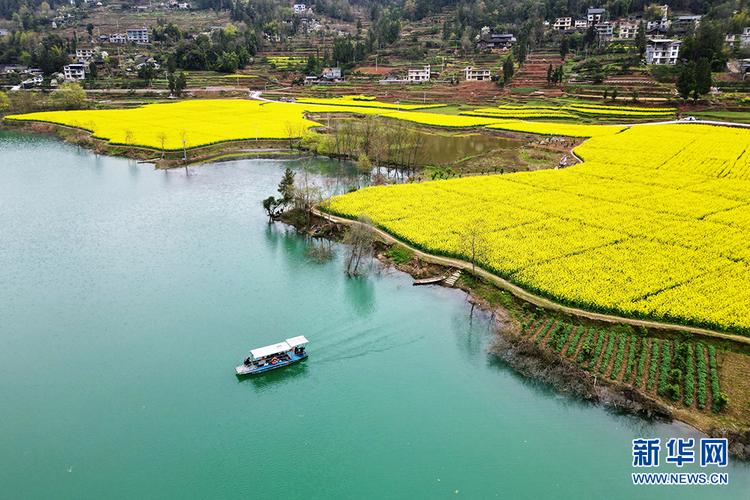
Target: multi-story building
[594,16]
[472,74]
[76,71]
[662,51]
[418,75]
[563,23]
[627,30]
[604,30]
[580,24]
[138,35]
[84,53]
[683,24]
[118,38]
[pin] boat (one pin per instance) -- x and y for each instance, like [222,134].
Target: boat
[273,356]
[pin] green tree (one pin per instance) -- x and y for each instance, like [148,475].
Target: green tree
[564,47]
[69,96]
[286,186]
[147,72]
[703,77]
[640,39]
[686,80]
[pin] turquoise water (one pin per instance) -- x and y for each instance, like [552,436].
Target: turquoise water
[128,295]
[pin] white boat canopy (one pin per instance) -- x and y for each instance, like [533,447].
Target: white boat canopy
[269,350]
[297,341]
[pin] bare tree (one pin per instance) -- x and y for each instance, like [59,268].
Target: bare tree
[162,141]
[360,240]
[474,243]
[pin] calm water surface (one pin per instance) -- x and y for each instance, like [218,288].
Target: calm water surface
[128,295]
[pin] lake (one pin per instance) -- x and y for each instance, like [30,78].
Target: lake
[128,296]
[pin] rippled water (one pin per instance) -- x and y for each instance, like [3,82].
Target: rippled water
[128,295]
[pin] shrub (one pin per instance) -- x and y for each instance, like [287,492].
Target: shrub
[641,362]
[619,356]
[689,386]
[562,337]
[631,358]
[666,365]
[607,353]
[599,346]
[654,364]
[702,368]
[587,348]
[574,341]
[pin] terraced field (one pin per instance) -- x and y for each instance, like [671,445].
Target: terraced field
[684,374]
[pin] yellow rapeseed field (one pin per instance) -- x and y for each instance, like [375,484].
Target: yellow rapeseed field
[655,223]
[198,122]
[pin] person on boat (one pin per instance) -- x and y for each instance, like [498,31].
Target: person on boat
[247,361]
[274,360]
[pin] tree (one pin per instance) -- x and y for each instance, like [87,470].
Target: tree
[90,29]
[549,74]
[703,77]
[360,239]
[286,186]
[640,39]
[474,243]
[614,94]
[508,69]
[147,72]
[564,47]
[686,80]
[93,71]
[180,83]
[69,96]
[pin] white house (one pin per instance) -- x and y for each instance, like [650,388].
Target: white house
[594,16]
[138,35]
[563,23]
[580,24]
[75,71]
[476,75]
[118,38]
[299,8]
[84,53]
[418,75]
[662,51]
[604,30]
[627,30]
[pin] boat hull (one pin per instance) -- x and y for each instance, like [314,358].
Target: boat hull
[244,370]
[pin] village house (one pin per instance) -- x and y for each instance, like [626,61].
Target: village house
[138,35]
[563,23]
[491,41]
[627,30]
[84,54]
[76,71]
[299,8]
[118,38]
[594,16]
[418,75]
[683,24]
[739,40]
[472,74]
[604,31]
[580,24]
[662,51]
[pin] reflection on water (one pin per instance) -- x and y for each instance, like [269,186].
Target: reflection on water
[276,378]
[360,294]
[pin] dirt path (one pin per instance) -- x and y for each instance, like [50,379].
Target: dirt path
[536,299]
